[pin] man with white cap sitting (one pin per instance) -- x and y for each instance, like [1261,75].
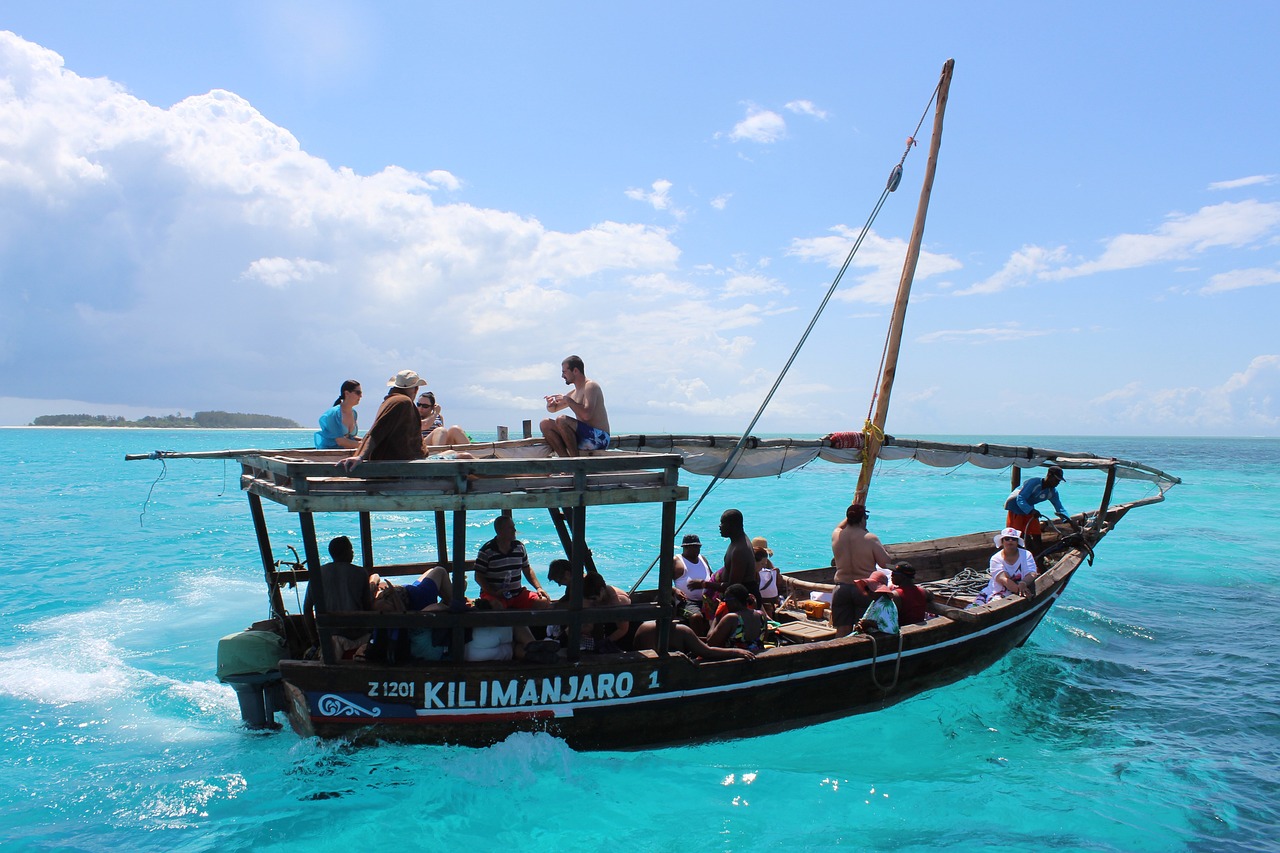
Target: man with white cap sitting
[1012,568]
[396,431]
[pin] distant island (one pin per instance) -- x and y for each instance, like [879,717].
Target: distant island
[200,420]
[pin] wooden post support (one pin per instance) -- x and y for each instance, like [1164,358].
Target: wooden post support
[560,519]
[578,524]
[527,426]
[1106,494]
[459,574]
[666,568]
[502,433]
[574,650]
[366,542]
[268,560]
[442,540]
[316,582]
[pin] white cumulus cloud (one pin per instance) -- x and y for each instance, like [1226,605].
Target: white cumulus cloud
[751,284]
[1003,334]
[1230,224]
[279,272]
[138,240]
[658,197]
[1023,265]
[1237,183]
[760,125]
[807,108]
[1248,399]
[877,268]
[1240,279]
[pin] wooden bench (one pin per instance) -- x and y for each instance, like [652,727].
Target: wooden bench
[807,631]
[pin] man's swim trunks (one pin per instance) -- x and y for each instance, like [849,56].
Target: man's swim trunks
[590,438]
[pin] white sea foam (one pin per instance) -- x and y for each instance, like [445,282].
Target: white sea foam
[87,659]
[522,759]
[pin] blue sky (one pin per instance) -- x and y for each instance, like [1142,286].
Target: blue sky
[238,206]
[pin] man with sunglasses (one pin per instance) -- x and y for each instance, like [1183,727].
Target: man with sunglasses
[434,432]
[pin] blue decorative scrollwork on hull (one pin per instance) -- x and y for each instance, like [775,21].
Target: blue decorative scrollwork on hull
[333,705]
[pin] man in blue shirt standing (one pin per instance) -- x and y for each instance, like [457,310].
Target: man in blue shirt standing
[1021,505]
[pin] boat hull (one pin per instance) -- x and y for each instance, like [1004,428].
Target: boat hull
[642,699]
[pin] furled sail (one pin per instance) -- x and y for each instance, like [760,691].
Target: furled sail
[769,457]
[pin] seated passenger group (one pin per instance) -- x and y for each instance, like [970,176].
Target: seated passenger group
[401,429]
[404,429]
[721,614]
[507,581]
[872,592]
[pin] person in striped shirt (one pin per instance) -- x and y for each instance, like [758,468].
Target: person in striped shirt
[501,566]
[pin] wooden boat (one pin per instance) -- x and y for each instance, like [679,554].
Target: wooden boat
[626,699]
[630,699]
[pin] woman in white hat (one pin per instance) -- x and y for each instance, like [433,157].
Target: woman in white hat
[1013,569]
[769,595]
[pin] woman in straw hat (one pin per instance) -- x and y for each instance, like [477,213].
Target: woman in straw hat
[1013,569]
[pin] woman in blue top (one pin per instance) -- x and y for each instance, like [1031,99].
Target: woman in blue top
[338,425]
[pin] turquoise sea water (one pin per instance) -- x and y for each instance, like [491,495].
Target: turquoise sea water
[1141,716]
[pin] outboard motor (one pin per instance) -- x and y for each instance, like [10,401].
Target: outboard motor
[249,662]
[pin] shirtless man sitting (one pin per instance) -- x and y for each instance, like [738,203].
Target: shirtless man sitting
[858,556]
[588,429]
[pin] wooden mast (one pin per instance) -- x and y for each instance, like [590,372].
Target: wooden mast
[874,431]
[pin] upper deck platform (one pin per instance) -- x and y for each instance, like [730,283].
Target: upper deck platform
[311,481]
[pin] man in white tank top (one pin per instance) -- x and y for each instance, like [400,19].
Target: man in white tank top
[691,572]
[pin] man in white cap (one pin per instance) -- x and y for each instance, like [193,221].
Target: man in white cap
[396,432]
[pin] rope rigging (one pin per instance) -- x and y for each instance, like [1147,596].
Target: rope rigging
[164,472]
[895,177]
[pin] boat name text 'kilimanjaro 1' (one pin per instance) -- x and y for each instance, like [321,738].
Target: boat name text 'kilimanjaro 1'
[512,692]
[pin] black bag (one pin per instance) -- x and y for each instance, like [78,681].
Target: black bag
[388,645]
